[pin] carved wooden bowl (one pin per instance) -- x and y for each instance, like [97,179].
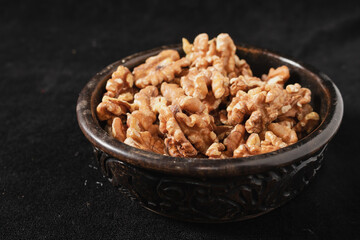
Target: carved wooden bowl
[208,190]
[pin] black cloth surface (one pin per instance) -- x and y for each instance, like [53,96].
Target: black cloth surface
[49,185]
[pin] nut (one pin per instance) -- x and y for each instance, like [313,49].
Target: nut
[121,81]
[157,69]
[118,129]
[215,151]
[111,107]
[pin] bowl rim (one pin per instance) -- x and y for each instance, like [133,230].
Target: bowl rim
[205,167]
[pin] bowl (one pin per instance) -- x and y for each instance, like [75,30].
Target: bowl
[214,190]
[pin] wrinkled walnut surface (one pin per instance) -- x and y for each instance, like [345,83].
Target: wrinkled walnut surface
[206,104]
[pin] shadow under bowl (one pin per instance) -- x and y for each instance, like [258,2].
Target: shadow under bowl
[211,190]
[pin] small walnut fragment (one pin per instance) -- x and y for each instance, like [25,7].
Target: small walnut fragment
[279,75]
[218,53]
[286,134]
[157,69]
[195,83]
[271,142]
[118,129]
[219,84]
[198,128]
[177,143]
[244,83]
[251,147]
[175,95]
[142,132]
[145,141]
[242,68]
[120,82]
[111,107]
[206,104]
[307,124]
[216,150]
[226,49]
[234,139]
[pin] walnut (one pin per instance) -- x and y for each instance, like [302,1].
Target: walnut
[121,81]
[244,83]
[226,48]
[119,92]
[234,139]
[118,130]
[255,146]
[198,128]
[159,68]
[299,96]
[187,46]
[142,99]
[141,134]
[175,95]
[218,52]
[251,147]
[127,97]
[271,142]
[277,101]
[195,83]
[308,123]
[172,92]
[237,108]
[142,109]
[279,75]
[241,151]
[242,68]
[215,150]
[174,150]
[144,140]
[197,52]
[253,142]
[251,103]
[303,111]
[298,99]
[287,122]
[176,142]
[206,104]
[256,122]
[219,84]
[286,134]
[111,107]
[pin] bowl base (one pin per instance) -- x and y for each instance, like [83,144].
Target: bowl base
[210,200]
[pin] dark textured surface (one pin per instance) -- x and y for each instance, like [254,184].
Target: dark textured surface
[49,50]
[210,200]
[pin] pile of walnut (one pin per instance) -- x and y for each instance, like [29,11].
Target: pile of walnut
[207,103]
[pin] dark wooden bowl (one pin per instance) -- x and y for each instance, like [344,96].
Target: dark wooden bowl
[208,190]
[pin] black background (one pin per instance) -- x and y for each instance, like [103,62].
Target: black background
[49,50]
